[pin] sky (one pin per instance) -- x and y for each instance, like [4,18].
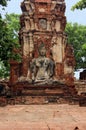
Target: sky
[72,16]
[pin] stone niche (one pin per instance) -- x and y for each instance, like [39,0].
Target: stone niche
[44,48]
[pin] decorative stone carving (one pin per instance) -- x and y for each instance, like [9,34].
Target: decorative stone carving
[43,24]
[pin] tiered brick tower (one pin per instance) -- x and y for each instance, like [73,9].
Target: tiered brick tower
[43,22]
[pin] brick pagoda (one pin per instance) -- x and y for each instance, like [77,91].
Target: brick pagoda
[43,28]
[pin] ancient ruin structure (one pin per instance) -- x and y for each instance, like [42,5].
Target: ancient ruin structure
[43,22]
[45,73]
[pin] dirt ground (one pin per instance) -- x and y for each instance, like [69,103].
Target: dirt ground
[43,117]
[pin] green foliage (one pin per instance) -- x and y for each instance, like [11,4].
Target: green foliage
[3,2]
[77,37]
[4,71]
[12,23]
[8,40]
[79,5]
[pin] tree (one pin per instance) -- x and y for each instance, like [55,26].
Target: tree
[3,2]
[8,40]
[79,5]
[77,37]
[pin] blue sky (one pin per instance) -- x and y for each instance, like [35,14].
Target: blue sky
[72,16]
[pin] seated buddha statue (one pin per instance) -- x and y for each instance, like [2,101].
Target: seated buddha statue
[42,68]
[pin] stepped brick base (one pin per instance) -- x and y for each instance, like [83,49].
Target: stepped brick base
[25,93]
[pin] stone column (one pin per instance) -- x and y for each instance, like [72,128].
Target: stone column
[26,50]
[32,23]
[27,24]
[57,50]
[57,25]
[31,44]
[48,24]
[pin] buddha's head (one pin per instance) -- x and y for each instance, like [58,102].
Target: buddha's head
[42,50]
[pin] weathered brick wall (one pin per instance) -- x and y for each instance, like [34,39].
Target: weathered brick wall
[80,86]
